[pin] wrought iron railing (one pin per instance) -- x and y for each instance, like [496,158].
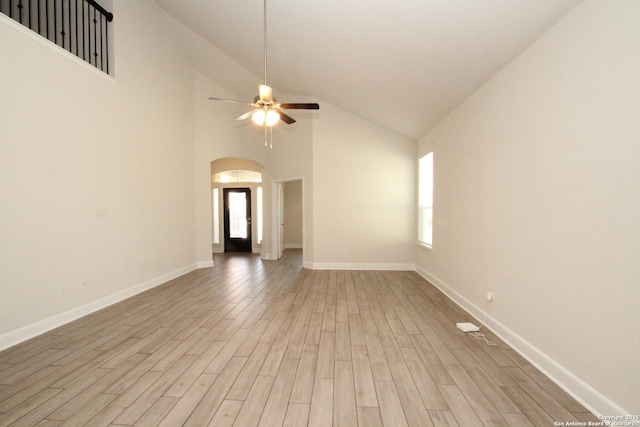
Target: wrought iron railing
[79,26]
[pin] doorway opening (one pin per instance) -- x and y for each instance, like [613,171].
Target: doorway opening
[237,220]
[289,214]
[236,205]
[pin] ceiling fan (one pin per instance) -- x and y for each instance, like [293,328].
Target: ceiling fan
[267,111]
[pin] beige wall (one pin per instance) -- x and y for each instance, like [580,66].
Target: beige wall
[96,173]
[216,136]
[536,188]
[363,194]
[292,234]
[291,158]
[537,196]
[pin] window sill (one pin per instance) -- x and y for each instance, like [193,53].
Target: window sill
[424,245]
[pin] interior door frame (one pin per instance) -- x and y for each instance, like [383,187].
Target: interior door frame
[278,215]
[280,218]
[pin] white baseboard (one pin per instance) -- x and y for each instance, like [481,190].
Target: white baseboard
[27,332]
[593,400]
[204,264]
[293,245]
[359,266]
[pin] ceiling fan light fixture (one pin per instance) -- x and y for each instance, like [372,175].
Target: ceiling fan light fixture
[260,116]
[273,117]
[267,110]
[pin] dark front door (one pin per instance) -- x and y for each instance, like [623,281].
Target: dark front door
[237,220]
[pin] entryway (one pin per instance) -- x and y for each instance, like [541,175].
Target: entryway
[237,220]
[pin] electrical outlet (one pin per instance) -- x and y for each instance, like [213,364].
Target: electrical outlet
[61,291]
[84,285]
[490,294]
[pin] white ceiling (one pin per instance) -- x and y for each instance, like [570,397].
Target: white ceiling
[403,64]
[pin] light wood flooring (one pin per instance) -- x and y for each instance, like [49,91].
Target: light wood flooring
[252,342]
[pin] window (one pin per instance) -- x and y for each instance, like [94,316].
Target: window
[215,216]
[260,215]
[425,200]
[238,214]
[236,175]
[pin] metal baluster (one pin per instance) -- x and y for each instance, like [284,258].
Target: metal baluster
[106,34]
[95,39]
[77,45]
[101,44]
[55,21]
[39,21]
[30,27]
[69,31]
[84,38]
[20,10]
[91,37]
[46,6]
[89,42]
[62,21]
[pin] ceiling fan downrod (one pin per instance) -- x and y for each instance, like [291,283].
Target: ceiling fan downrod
[267,110]
[265,40]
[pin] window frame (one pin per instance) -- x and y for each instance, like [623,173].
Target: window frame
[425,199]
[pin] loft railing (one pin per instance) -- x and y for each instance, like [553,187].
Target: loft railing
[79,26]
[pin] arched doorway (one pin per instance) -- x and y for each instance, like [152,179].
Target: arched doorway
[236,205]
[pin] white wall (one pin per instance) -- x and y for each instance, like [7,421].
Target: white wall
[537,195]
[363,194]
[96,174]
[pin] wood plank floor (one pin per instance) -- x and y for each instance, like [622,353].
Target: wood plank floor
[252,342]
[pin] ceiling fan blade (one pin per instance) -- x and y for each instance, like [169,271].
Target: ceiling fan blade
[287,119]
[300,106]
[265,93]
[244,116]
[229,100]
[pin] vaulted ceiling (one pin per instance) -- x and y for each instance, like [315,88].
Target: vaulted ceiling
[402,64]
